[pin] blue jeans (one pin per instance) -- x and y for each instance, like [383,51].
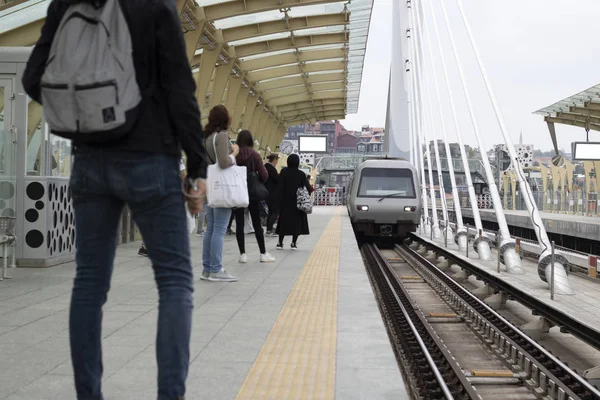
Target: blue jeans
[102,182]
[201,220]
[212,247]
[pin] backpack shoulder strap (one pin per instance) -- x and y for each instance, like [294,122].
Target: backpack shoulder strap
[215,147]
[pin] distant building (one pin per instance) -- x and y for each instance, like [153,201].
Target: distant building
[346,143]
[294,131]
[340,140]
[370,143]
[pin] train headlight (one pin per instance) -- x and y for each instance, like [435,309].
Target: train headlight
[362,208]
[410,208]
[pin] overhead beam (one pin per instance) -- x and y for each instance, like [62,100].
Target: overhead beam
[592,106]
[292,114]
[280,72]
[580,124]
[282,83]
[305,97]
[318,116]
[286,43]
[11,4]
[26,35]
[585,111]
[322,111]
[323,117]
[302,89]
[580,118]
[339,100]
[245,7]
[291,58]
[280,26]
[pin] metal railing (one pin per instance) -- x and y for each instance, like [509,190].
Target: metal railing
[7,238]
[328,196]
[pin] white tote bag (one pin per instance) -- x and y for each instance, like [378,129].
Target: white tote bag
[226,188]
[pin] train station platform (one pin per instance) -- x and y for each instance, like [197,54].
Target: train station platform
[575,226]
[304,327]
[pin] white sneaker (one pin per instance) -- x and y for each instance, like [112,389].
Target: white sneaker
[222,276]
[265,258]
[243,259]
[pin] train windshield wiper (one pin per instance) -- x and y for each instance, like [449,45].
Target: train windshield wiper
[391,195]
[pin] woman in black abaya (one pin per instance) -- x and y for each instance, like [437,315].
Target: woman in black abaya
[292,221]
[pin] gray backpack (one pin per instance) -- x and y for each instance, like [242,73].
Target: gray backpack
[89,88]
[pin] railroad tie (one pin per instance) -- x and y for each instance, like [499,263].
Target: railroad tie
[482,373]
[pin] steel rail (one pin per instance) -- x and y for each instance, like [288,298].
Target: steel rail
[567,386]
[382,265]
[578,329]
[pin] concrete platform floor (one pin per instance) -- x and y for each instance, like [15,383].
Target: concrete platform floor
[578,226]
[231,324]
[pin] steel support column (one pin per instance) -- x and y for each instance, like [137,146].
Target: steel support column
[222,76]
[207,66]
[193,37]
[235,84]
[242,96]
[180,5]
[251,106]
[256,126]
[270,133]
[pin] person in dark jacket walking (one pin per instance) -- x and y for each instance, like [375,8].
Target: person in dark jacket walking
[292,221]
[272,185]
[249,158]
[140,170]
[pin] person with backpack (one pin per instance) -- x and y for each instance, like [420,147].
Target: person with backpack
[257,174]
[114,77]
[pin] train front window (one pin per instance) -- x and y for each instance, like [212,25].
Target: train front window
[392,182]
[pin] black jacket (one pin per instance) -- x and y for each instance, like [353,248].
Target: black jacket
[170,117]
[272,184]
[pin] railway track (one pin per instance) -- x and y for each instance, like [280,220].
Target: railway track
[451,345]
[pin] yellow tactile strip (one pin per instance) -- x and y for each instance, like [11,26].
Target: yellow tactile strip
[297,360]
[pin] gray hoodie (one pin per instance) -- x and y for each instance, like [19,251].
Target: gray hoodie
[222,152]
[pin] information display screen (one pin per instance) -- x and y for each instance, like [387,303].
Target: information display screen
[312,144]
[586,151]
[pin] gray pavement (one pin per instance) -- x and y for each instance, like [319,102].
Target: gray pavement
[231,322]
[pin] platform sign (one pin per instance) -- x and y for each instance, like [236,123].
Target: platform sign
[312,143]
[586,151]
[593,266]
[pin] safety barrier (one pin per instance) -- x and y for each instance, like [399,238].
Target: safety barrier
[328,196]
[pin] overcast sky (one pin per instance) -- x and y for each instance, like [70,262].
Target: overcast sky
[536,52]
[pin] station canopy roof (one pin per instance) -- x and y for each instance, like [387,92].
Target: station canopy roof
[302,59]
[581,109]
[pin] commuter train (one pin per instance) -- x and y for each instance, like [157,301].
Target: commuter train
[383,199]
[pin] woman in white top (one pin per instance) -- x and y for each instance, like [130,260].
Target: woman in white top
[219,150]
